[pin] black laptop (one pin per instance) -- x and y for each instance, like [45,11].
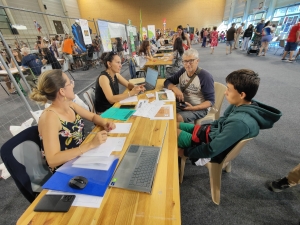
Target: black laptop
[151,79]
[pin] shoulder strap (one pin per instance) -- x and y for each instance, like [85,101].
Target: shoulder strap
[192,78]
[54,112]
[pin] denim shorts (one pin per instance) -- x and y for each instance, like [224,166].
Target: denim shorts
[290,46]
[229,43]
[266,38]
[191,116]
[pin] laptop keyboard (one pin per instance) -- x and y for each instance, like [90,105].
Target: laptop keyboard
[148,86]
[143,173]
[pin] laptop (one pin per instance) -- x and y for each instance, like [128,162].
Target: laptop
[138,167]
[151,79]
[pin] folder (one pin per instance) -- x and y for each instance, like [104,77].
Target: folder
[98,180]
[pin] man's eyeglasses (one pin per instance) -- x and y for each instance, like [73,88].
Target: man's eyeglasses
[190,61]
[71,83]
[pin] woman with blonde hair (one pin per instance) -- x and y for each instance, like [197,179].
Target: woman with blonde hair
[61,126]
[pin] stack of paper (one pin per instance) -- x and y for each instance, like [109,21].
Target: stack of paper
[149,109]
[130,99]
[95,163]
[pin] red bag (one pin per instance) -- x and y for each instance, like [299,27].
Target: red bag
[185,46]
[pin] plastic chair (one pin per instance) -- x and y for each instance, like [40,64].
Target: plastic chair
[89,97]
[46,67]
[23,160]
[282,45]
[214,113]
[215,170]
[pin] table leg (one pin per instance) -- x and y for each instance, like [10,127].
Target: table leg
[20,85]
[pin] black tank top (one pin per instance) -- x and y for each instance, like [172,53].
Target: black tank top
[101,102]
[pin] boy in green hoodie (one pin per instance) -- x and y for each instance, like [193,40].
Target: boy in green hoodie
[241,120]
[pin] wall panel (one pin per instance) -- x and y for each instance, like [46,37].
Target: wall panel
[196,13]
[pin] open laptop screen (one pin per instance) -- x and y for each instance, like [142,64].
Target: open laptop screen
[151,76]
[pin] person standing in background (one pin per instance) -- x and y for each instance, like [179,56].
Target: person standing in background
[239,31]
[214,39]
[230,37]
[246,37]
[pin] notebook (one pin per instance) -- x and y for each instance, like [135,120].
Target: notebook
[138,167]
[151,79]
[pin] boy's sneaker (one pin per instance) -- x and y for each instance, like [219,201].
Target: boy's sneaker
[279,185]
[291,60]
[283,59]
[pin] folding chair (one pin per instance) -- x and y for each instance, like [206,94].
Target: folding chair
[214,113]
[215,169]
[23,160]
[89,97]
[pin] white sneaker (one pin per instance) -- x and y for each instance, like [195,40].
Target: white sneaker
[202,161]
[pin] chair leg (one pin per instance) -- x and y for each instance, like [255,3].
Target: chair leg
[228,167]
[182,166]
[215,173]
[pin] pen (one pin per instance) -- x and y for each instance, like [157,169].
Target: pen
[96,133]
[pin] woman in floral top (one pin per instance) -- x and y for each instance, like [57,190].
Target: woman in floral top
[61,126]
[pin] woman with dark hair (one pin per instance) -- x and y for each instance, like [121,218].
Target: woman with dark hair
[184,37]
[145,50]
[49,58]
[18,58]
[176,58]
[214,39]
[107,84]
[247,36]
[266,38]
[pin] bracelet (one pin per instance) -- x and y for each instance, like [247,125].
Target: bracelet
[80,150]
[129,94]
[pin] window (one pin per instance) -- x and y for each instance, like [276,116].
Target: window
[250,17]
[225,22]
[4,22]
[293,9]
[258,16]
[280,12]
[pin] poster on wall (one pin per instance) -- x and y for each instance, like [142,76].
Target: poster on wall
[151,31]
[105,35]
[58,27]
[144,33]
[117,30]
[85,31]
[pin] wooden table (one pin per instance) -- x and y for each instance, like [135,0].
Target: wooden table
[129,207]
[161,63]
[161,55]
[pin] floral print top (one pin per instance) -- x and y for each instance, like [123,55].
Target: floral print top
[71,135]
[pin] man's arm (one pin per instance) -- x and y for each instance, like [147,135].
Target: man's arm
[231,134]
[297,36]
[174,79]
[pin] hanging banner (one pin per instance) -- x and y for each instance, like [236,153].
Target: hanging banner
[105,35]
[151,31]
[85,31]
[117,30]
[144,33]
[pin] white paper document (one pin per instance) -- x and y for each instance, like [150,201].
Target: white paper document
[95,163]
[166,95]
[104,149]
[149,109]
[121,128]
[119,143]
[164,113]
[130,99]
[81,200]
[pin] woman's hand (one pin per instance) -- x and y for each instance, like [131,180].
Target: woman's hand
[109,126]
[99,139]
[137,89]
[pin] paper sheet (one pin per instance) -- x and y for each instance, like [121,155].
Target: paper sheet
[81,200]
[130,99]
[119,143]
[166,95]
[121,128]
[98,159]
[104,149]
[164,113]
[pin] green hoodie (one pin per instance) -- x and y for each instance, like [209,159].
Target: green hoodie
[236,124]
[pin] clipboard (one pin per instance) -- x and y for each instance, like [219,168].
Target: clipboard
[98,180]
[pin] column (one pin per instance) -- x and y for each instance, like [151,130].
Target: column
[231,12]
[246,12]
[271,9]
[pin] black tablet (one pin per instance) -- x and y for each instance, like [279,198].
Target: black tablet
[55,203]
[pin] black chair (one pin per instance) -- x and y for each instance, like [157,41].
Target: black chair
[23,159]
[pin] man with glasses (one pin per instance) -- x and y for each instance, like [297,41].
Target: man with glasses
[195,91]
